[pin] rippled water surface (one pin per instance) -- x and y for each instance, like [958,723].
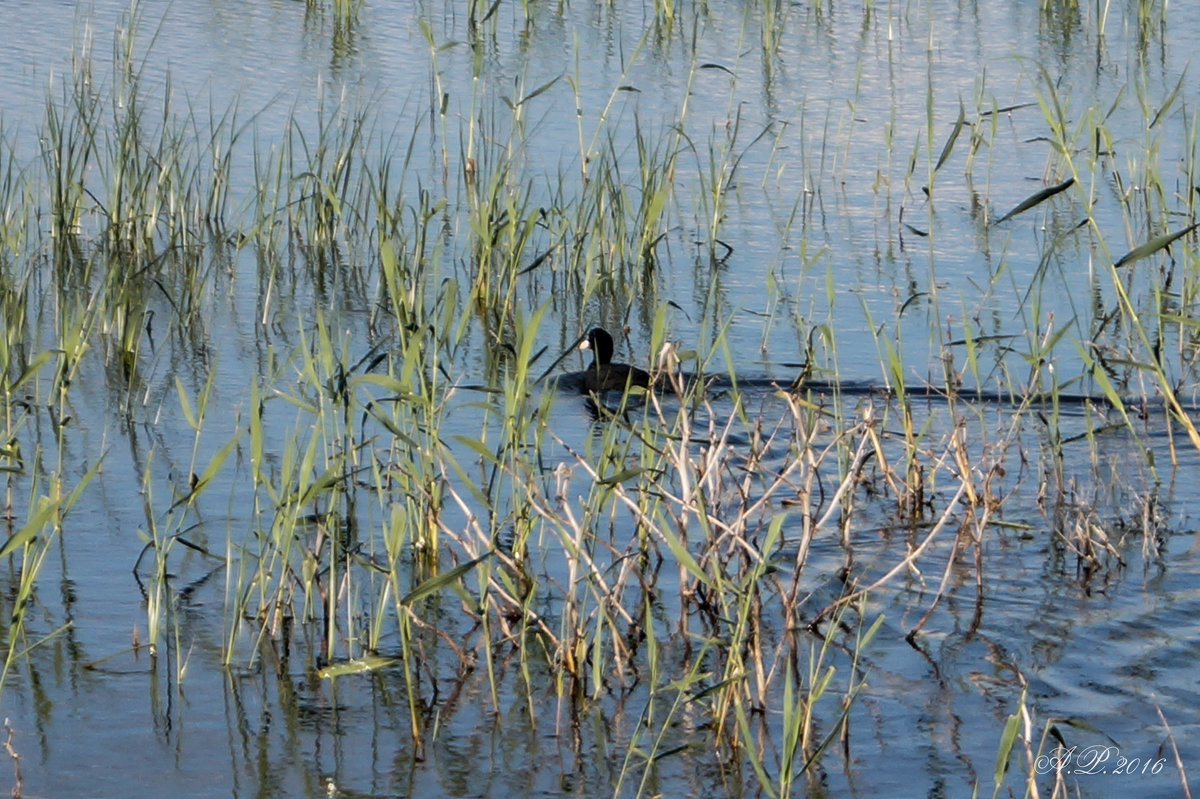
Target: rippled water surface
[822,219]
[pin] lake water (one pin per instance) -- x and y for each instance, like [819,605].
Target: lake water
[805,143]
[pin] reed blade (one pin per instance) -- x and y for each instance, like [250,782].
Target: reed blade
[949,145]
[1153,246]
[1037,199]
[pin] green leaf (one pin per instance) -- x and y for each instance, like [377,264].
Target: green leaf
[356,666]
[949,146]
[186,405]
[1035,199]
[681,554]
[478,448]
[1153,246]
[40,518]
[621,476]
[213,467]
[537,91]
[32,368]
[440,581]
[1007,739]
[1170,101]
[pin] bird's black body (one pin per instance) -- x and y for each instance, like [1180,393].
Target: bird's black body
[603,374]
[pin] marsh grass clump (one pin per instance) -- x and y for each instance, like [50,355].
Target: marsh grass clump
[655,565]
[396,486]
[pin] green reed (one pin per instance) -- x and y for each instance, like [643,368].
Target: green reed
[29,546]
[661,567]
[326,195]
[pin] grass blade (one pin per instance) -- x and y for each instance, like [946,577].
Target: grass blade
[440,581]
[1153,246]
[949,146]
[1037,199]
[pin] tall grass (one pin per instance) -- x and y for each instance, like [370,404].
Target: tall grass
[398,492]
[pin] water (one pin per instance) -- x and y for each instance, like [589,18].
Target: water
[830,229]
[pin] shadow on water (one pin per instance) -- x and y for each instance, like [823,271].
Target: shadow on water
[937,486]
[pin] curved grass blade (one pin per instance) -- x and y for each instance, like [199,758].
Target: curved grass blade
[1169,102]
[538,90]
[959,124]
[621,477]
[1008,740]
[440,581]
[47,510]
[356,666]
[37,520]
[1035,199]
[1153,246]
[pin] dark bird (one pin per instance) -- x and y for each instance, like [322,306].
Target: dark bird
[603,374]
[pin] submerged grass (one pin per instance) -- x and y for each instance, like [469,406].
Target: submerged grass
[384,513]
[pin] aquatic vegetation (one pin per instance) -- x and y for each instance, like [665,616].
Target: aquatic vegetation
[327,351]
